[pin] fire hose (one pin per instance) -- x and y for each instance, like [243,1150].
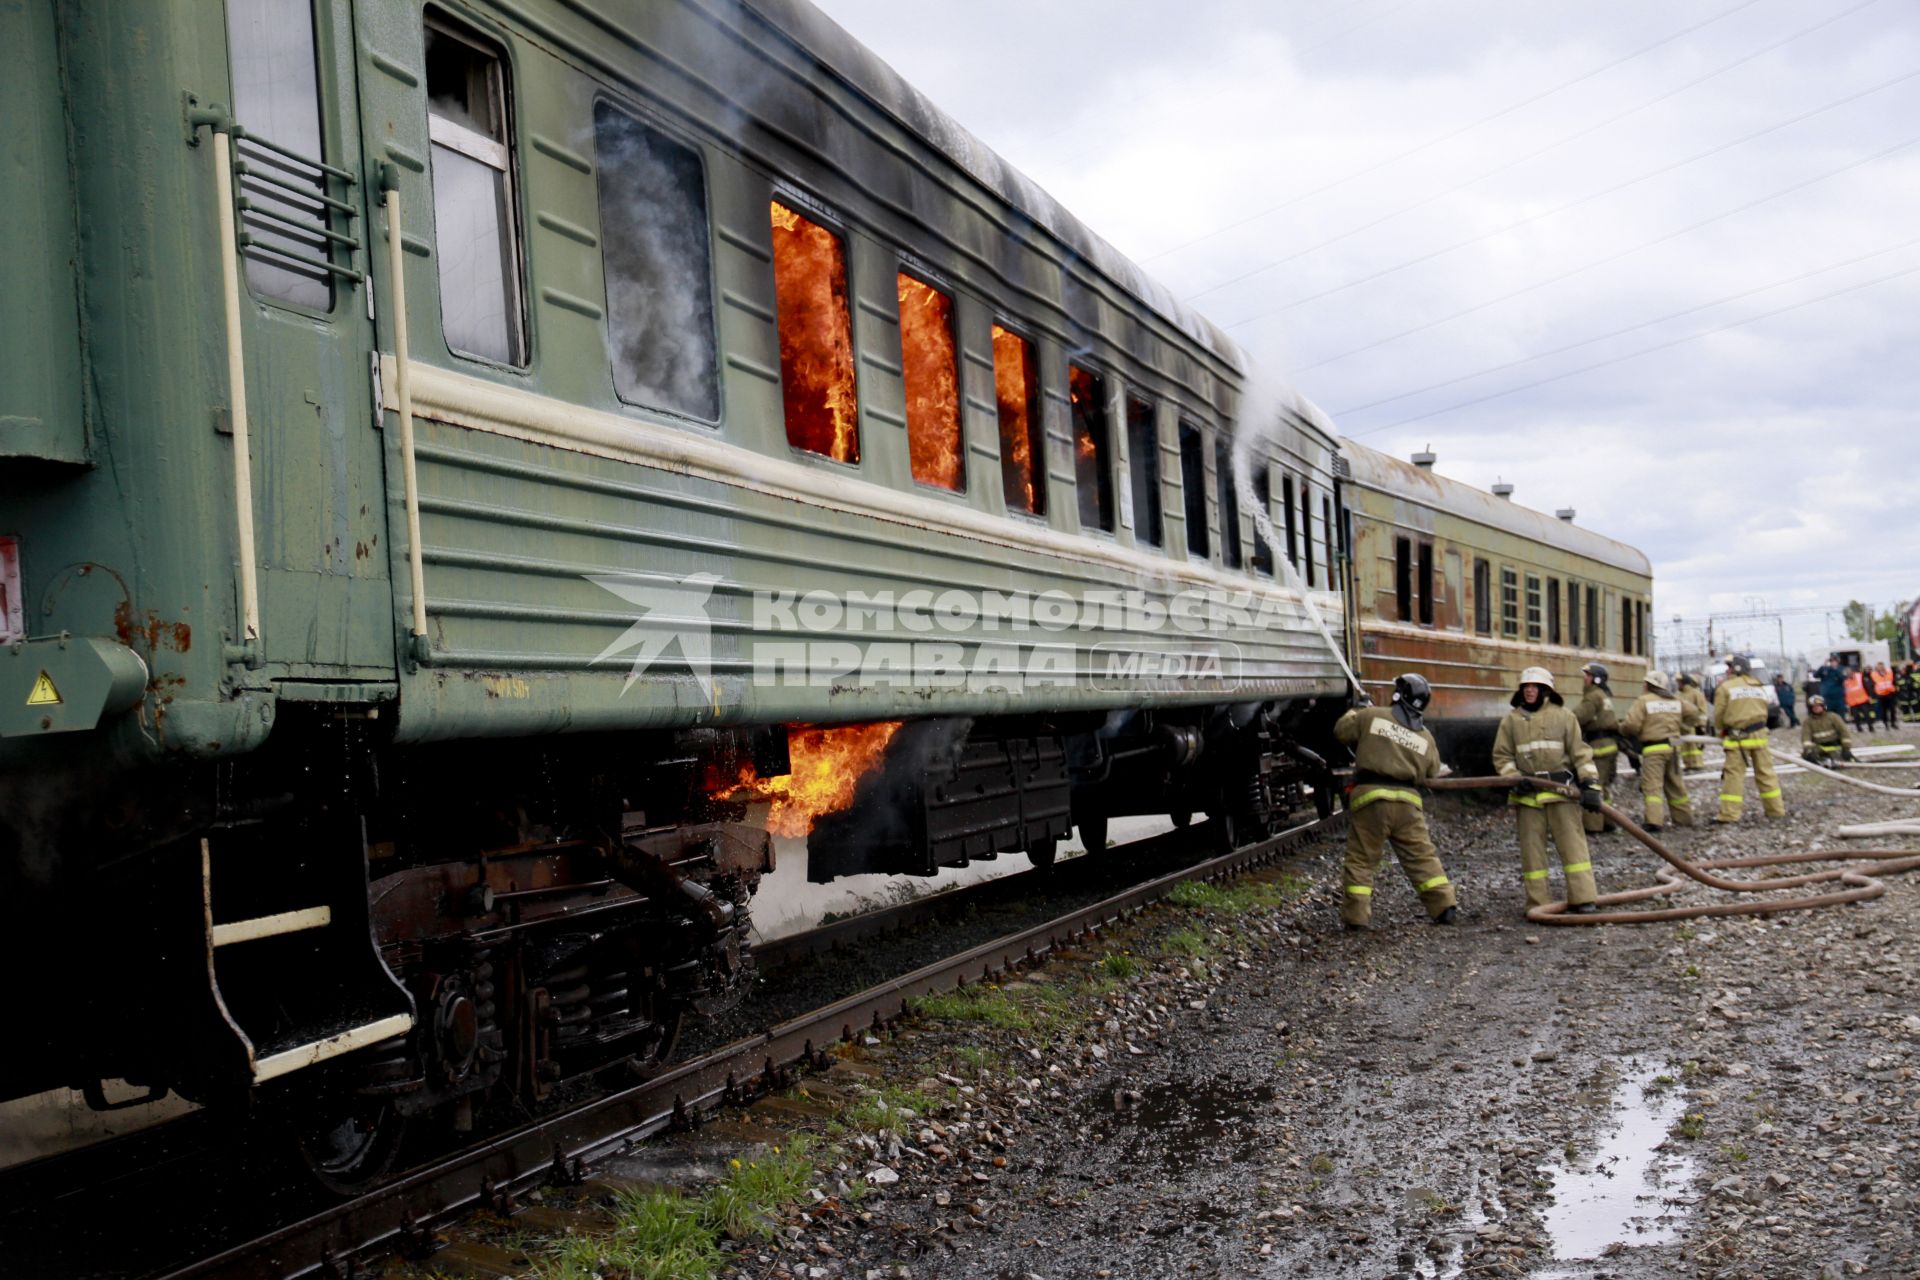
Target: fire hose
[1861,887]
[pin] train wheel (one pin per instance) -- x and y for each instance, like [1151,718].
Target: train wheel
[1092,826]
[1042,853]
[349,1143]
[1180,818]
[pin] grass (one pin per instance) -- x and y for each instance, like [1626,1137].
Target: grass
[992,1006]
[1187,942]
[1203,895]
[888,1110]
[1118,964]
[1737,1154]
[978,1060]
[1692,1125]
[1659,1084]
[668,1235]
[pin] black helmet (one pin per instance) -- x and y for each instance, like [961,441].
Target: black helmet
[1413,691]
[1737,665]
[1598,670]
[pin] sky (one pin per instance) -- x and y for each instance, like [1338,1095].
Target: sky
[1656,261]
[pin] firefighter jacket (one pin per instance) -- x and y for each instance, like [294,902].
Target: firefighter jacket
[1596,714]
[1740,703]
[1826,731]
[1655,719]
[1540,741]
[1386,752]
[1856,687]
[1698,716]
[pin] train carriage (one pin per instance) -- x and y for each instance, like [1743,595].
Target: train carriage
[449,446]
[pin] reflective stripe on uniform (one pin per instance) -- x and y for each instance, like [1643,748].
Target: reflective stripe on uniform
[1360,890]
[1750,743]
[1534,875]
[1576,867]
[1607,750]
[1727,799]
[1434,883]
[1655,747]
[1366,798]
[1831,750]
[1770,795]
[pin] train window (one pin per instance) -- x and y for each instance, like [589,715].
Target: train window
[1263,505]
[1193,485]
[1509,602]
[656,255]
[1403,578]
[1534,611]
[1594,639]
[1426,584]
[930,362]
[1573,614]
[1091,477]
[1553,611]
[276,95]
[1306,530]
[1326,532]
[1483,597]
[1626,625]
[1143,461]
[1286,507]
[816,337]
[1229,504]
[1645,608]
[1023,453]
[1456,617]
[477,241]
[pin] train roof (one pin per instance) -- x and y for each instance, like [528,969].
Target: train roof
[869,75]
[1384,472]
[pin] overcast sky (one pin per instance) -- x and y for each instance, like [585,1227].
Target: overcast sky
[1436,217]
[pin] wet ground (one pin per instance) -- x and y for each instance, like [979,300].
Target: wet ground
[1239,1088]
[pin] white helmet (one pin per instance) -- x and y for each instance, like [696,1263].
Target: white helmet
[1542,677]
[1660,682]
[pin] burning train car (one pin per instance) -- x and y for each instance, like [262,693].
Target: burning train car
[464,460]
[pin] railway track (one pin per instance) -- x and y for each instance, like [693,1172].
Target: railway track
[339,1242]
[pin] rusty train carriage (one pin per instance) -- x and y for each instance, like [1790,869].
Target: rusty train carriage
[336,389]
[1469,587]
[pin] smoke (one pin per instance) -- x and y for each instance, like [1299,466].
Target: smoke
[1263,414]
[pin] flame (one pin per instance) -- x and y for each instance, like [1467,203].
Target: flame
[816,337]
[826,764]
[1013,387]
[932,377]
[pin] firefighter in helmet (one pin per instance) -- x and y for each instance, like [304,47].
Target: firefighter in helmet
[1600,727]
[1539,740]
[1654,721]
[1698,719]
[1741,707]
[1393,753]
[1824,736]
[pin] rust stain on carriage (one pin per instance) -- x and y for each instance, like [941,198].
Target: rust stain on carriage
[154,631]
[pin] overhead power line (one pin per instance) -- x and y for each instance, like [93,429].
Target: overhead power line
[1635,355]
[1632,328]
[1377,166]
[1531,218]
[1535,154]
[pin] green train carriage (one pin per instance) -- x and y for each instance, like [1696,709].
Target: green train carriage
[347,362]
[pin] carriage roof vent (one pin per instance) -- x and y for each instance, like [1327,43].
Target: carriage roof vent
[1565,513]
[1424,459]
[1501,489]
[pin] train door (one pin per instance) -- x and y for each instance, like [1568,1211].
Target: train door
[301,206]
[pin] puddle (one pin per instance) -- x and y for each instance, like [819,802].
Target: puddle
[1180,1124]
[1624,1191]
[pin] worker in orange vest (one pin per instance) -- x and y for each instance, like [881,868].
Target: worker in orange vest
[1885,691]
[1859,701]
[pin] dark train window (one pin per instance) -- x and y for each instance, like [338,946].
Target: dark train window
[1286,507]
[1553,611]
[1306,530]
[1645,608]
[1143,463]
[1573,614]
[1263,504]
[1509,602]
[1193,486]
[1534,611]
[276,94]
[931,365]
[656,253]
[1483,597]
[1403,578]
[1229,504]
[1023,453]
[1594,639]
[1626,625]
[816,337]
[1426,584]
[476,233]
[1326,533]
[1092,478]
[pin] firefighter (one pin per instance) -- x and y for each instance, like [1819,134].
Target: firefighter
[1654,720]
[1540,739]
[1393,753]
[1910,690]
[1859,701]
[1698,719]
[1824,736]
[1741,707]
[1600,727]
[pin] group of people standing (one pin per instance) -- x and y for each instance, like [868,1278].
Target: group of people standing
[1543,748]
[1872,696]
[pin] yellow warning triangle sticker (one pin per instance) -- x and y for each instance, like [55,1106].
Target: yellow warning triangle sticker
[43,693]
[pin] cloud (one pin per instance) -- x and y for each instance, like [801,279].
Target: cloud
[1771,459]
